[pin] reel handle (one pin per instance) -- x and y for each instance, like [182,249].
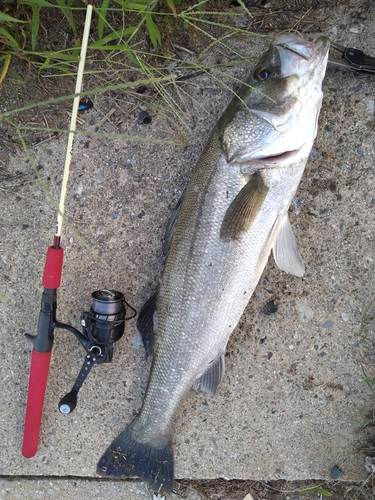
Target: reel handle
[69,401]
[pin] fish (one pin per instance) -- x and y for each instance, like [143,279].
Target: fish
[234,212]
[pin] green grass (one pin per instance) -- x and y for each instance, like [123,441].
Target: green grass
[118,24]
[367,336]
[130,40]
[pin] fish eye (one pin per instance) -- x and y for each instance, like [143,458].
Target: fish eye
[262,74]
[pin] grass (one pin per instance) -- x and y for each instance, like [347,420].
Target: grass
[367,420]
[118,25]
[130,40]
[366,334]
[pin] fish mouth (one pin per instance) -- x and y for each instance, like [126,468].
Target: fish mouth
[298,55]
[279,158]
[296,44]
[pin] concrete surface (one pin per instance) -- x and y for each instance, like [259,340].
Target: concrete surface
[293,390]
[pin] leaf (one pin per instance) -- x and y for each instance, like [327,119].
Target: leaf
[68,14]
[11,39]
[306,491]
[46,63]
[17,76]
[130,54]
[316,489]
[323,492]
[101,18]
[137,7]
[115,35]
[5,18]
[34,25]
[153,30]
[40,3]
[5,67]
[172,6]
[59,56]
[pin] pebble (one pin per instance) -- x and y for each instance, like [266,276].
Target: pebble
[356,29]
[362,152]
[336,472]
[328,324]
[328,129]
[345,169]
[99,177]
[305,313]
[131,160]
[137,342]
[297,203]
[345,317]
[370,107]
[370,464]
[314,154]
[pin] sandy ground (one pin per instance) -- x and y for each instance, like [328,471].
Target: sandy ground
[289,405]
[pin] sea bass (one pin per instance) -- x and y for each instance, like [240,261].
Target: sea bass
[234,211]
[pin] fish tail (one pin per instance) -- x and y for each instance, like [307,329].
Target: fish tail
[128,457]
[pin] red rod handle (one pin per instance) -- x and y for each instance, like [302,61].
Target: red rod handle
[41,353]
[35,400]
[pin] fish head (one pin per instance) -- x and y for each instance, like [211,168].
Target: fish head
[274,115]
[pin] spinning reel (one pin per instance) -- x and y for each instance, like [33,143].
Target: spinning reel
[102,326]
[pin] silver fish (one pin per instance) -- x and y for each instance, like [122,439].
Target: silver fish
[233,213]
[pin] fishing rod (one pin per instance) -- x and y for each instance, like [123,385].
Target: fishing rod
[103,325]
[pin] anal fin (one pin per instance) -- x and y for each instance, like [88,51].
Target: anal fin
[208,382]
[285,250]
[145,324]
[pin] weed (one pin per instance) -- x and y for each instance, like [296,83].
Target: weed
[366,332]
[368,321]
[118,24]
[316,489]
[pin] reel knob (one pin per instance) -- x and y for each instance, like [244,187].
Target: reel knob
[68,402]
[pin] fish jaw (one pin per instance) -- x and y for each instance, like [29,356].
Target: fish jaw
[274,117]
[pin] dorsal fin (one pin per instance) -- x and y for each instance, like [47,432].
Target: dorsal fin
[171,227]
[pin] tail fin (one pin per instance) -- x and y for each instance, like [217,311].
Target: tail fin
[127,457]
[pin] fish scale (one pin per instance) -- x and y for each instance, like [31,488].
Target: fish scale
[233,213]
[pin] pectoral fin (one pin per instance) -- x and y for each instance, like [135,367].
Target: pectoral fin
[285,250]
[244,208]
[211,378]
